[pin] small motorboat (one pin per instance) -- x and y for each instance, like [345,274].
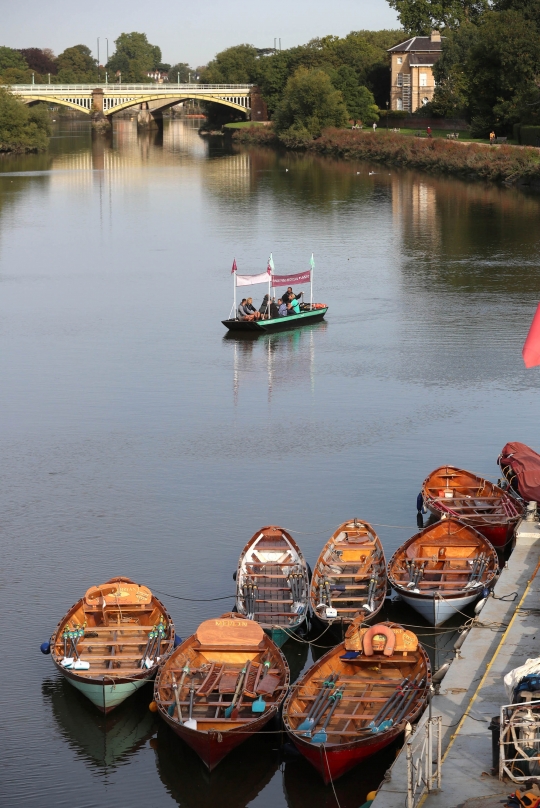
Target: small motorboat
[520,466]
[442,569]
[473,500]
[272,583]
[349,579]
[110,642]
[309,314]
[222,685]
[358,697]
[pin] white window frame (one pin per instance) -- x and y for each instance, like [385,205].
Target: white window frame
[423,80]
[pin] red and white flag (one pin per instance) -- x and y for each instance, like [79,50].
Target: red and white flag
[234,267]
[531,348]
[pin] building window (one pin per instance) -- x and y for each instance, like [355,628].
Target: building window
[399,60]
[399,104]
[423,79]
[399,80]
[425,100]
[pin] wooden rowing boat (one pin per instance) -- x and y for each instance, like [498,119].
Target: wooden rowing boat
[349,579]
[383,680]
[442,569]
[272,583]
[111,641]
[473,500]
[220,671]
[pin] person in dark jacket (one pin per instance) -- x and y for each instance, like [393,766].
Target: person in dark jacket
[264,306]
[274,309]
[249,308]
[241,312]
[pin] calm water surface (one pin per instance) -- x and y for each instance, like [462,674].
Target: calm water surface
[137,439]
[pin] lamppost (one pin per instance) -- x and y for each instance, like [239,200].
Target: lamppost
[106,78]
[49,75]
[107,41]
[98,58]
[32,78]
[387,115]
[178,74]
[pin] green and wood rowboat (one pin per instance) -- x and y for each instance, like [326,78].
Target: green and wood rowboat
[277,324]
[272,584]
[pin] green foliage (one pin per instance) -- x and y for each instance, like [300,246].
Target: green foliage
[358,100]
[452,91]
[22,128]
[134,57]
[236,65]
[40,61]
[420,17]
[10,58]
[310,103]
[75,66]
[184,69]
[502,67]
[529,135]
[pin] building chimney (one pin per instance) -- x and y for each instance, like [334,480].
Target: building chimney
[435,36]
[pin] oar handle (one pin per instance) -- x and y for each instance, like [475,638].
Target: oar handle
[337,696]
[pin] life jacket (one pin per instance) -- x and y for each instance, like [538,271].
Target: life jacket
[523,799]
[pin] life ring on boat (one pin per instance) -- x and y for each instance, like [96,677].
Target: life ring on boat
[387,632]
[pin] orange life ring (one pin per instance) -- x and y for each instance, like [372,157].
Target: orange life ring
[385,631]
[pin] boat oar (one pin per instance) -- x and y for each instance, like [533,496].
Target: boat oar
[259,705]
[374,726]
[323,706]
[177,690]
[307,723]
[191,723]
[414,687]
[239,685]
[321,736]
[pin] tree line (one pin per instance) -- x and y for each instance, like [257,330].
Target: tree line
[133,59]
[489,71]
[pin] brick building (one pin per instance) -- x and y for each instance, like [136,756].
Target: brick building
[412,75]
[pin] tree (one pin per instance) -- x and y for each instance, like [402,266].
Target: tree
[236,65]
[76,66]
[358,100]
[10,58]
[21,128]
[134,57]
[39,60]
[181,68]
[452,88]
[422,16]
[310,103]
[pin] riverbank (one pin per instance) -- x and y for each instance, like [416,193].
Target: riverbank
[512,165]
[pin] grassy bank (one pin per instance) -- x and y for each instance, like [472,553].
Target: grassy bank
[509,164]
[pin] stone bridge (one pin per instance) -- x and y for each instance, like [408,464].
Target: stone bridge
[104,100]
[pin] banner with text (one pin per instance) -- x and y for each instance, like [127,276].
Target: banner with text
[289,280]
[249,280]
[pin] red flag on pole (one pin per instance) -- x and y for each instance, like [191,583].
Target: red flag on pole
[531,348]
[234,267]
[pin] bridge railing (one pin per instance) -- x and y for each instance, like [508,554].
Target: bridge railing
[171,86]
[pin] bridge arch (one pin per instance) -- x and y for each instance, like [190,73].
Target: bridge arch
[62,102]
[176,98]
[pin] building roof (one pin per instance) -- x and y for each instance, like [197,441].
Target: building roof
[417,43]
[423,60]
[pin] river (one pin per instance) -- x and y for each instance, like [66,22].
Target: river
[138,439]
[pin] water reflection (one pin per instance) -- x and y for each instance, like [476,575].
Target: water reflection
[285,358]
[235,783]
[104,741]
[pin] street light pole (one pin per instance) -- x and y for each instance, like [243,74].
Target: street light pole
[107,41]
[49,75]
[98,58]
[32,78]
[387,115]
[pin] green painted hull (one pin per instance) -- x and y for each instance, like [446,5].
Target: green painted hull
[279,324]
[106,696]
[279,635]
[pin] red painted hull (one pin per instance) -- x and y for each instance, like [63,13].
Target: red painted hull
[334,761]
[212,746]
[497,534]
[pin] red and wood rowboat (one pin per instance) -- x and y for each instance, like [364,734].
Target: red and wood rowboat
[380,668]
[229,659]
[474,501]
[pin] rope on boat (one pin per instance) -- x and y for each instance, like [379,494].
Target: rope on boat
[194,600]
[330,776]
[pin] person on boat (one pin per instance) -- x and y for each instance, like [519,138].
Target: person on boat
[289,294]
[241,312]
[282,311]
[264,306]
[274,308]
[250,310]
[294,306]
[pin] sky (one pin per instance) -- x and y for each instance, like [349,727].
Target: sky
[190,32]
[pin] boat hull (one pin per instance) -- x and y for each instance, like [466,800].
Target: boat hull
[279,324]
[213,746]
[436,610]
[499,534]
[107,694]
[333,762]
[279,636]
